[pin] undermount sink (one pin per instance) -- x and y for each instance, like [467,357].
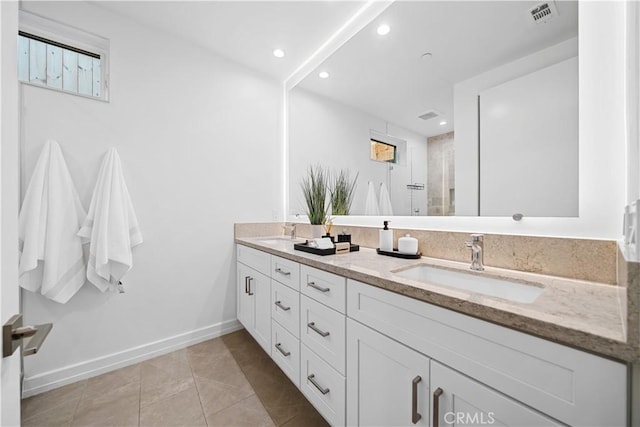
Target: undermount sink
[475,283]
[278,239]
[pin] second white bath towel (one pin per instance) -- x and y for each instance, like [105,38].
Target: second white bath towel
[371,207]
[111,227]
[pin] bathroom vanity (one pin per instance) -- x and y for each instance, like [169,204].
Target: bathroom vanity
[369,343]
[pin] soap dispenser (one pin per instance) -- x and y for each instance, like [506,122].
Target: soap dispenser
[386,238]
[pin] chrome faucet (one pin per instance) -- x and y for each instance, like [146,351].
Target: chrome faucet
[477,251]
[292,229]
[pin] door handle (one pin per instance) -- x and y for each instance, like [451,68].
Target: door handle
[279,304]
[319,288]
[436,406]
[318,386]
[31,337]
[284,352]
[250,293]
[246,284]
[313,326]
[284,273]
[415,416]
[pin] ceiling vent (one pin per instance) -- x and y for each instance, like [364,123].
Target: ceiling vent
[431,114]
[543,12]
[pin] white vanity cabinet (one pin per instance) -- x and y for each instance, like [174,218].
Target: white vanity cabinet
[254,303]
[387,382]
[558,382]
[363,355]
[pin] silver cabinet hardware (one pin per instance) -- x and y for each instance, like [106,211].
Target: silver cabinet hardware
[31,337]
[284,353]
[279,304]
[246,284]
[284,273]
[436,406]
[320,288]
[318,386]
[313,326]
[415,416]
[249,282]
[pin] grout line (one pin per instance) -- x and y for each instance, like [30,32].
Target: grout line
[140,396]
[195,382]
[75,411]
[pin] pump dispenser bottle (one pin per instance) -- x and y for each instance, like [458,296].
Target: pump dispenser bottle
[386,238]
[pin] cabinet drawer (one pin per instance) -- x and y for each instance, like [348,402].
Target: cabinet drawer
[285,307]
[286,272]
[324,331]
[554,379]
[322,386]
[258,260]
[285,352]
[324,287]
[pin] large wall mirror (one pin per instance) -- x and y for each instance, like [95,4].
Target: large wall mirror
[479,100]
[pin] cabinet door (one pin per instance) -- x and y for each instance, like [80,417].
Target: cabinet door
[260,287]
[245,304]
[254,304]
[388,383]
[461,401]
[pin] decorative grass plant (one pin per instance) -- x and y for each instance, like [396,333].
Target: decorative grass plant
[342,192]
[314,187]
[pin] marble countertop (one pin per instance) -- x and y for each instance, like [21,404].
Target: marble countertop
[581,314]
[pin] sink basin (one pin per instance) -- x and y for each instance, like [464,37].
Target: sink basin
[276,240]
[475,283]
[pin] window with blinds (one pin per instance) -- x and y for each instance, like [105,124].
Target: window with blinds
[57,62]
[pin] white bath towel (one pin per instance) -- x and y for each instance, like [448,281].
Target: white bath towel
[371,207]
[51,258]
[111,227]
[385,201]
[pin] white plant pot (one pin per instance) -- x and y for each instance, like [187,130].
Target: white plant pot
[317,231]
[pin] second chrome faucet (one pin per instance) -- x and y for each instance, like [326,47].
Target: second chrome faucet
[477,251]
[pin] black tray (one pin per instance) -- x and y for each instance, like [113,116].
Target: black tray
[304,247]
[397,254]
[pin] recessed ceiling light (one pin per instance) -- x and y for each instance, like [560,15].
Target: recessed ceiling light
[442,123]
[323,75]
[383,30]
[278,53]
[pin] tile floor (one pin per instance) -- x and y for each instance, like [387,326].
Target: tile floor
[227,381]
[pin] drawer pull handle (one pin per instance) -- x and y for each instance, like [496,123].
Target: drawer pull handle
[415,416]
[279,304]
[281,271]
[318,386]
[320,288]
[246,284]
[313,326]
[249,281]
[436,406]
[284,353]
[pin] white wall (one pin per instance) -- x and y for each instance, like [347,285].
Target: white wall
[199,140]
[337,136]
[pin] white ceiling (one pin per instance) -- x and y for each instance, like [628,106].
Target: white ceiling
[246,31]
[388,78]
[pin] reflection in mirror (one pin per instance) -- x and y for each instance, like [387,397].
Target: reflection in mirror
[478,100]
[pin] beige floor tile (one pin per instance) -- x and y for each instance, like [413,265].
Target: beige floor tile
[216,396]
[60,415]
[32,406]
[119,406]
[247,412]
[176,363]
[158,384]
[208,348]
[182,409]
[113,379]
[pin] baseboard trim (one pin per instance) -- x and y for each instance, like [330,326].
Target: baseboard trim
[50,380]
